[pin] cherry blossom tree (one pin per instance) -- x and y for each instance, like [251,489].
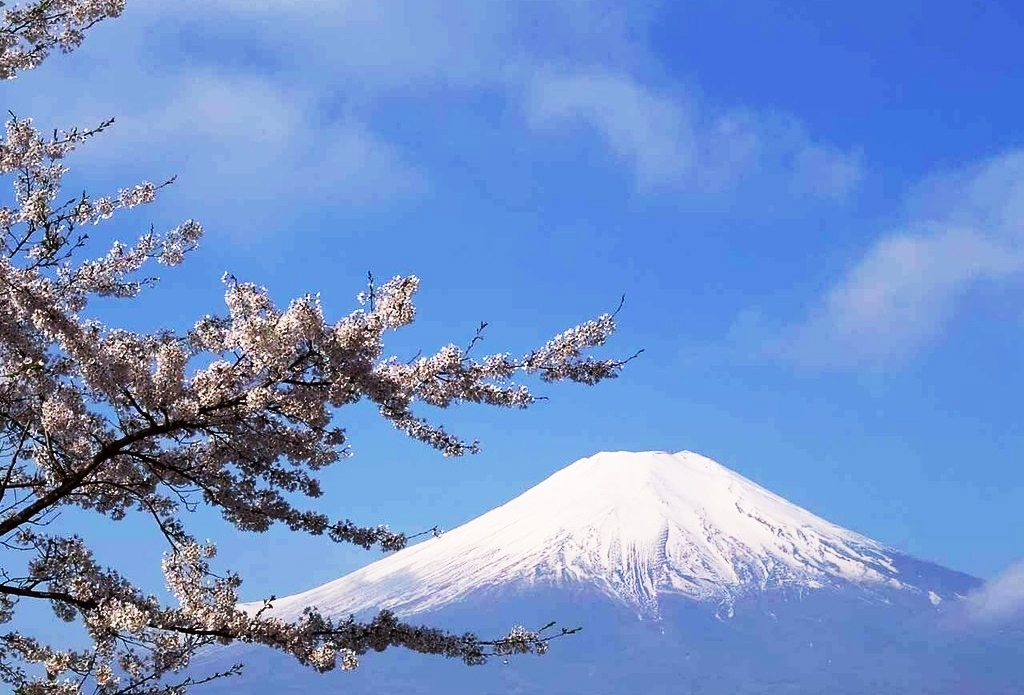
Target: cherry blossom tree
[238,413]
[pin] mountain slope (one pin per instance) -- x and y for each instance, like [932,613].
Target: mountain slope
[634,526]
[686,577]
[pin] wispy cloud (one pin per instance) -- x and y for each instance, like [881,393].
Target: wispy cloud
[826,171]
[652,133]
[410,44]
[668,140]
[272,142]
[998,600]
[671,142]
[282,98]
[965,228]
[255,132]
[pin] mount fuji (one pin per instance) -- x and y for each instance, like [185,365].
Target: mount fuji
[686,577]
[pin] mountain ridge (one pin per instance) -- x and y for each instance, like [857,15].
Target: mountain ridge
[636,526]
[686,578]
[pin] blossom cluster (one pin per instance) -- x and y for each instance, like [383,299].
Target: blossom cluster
[29,31]
[238,413]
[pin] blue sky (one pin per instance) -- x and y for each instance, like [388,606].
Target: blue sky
[816,214]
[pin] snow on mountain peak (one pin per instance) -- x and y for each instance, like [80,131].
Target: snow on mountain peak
[631,525]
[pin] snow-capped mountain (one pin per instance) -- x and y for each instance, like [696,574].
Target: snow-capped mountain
[686,578]
[634,526]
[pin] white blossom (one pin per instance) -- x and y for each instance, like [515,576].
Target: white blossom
[239,414]
[33,28]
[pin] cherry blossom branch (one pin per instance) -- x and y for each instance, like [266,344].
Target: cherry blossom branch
[29,32]
[238,413]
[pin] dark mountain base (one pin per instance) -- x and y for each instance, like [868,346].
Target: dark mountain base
[815,643]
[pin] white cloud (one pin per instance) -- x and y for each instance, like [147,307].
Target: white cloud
[653,133]
[409,47]
[279,97]
[967,228]
[672,143]
[410,44]
[255,132]
[218,90]
[270,142]
[826,171]
[998,600]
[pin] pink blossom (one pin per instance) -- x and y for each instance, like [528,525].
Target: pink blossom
[237,413]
